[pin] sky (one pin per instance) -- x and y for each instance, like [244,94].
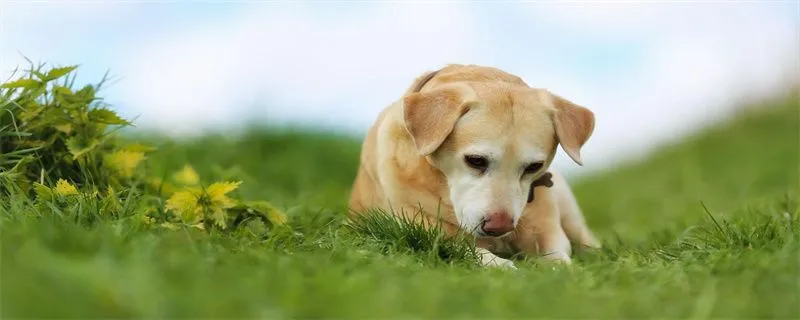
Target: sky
[651,72]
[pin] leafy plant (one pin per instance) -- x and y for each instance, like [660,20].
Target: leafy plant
[59,144]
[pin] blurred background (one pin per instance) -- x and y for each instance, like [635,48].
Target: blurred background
[652,72]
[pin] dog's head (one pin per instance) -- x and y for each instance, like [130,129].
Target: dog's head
[491,141]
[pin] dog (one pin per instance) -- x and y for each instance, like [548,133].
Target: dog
[465,148]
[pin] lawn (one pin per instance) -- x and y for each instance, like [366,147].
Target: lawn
[707,227]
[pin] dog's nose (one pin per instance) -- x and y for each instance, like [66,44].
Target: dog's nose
[497,224]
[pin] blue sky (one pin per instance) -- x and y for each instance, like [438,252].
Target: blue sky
[651,71]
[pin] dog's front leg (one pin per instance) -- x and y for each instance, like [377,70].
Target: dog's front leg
[547,240]
[539,232]
[554,245]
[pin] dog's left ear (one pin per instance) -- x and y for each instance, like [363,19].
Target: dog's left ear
[574,125]
[432,115]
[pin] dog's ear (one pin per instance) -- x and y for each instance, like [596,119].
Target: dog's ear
[574,125]
[431,116]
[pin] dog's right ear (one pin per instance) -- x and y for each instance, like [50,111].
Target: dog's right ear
[431,116]
[574,125]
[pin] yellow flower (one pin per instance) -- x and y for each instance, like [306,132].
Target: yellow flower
[42,191]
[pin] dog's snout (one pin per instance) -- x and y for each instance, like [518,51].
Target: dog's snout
[497,224]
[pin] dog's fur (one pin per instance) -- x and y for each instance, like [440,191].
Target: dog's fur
[413,160]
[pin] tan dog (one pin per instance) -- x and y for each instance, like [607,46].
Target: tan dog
[463,146]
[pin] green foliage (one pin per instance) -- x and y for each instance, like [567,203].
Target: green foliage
[52,132]
[61,145]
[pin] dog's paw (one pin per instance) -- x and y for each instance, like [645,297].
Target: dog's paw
[490,260]
[591,243]
[558,257]
[498,262]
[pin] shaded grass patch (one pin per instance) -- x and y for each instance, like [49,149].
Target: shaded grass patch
[405,233]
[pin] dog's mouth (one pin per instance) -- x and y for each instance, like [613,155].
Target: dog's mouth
[484,234]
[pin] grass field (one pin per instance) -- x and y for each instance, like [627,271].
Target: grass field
[665,255]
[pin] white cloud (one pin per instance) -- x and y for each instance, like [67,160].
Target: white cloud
[301,65]
[700,61]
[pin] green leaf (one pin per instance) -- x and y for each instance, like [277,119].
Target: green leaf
[59,72]
[64,127]
[106,116]
[185,204]
[217,192]
[63,94]
[43,192]
[218,216]
[78,148]
[30,113]
[125,162]
[64,188]
[22,83]
[62,90]
[86,93]
[39,75]
[266,209]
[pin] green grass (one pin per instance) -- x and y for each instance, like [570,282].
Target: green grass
[705,228]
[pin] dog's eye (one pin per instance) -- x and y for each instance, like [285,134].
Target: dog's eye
[533,167]
[476,162]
